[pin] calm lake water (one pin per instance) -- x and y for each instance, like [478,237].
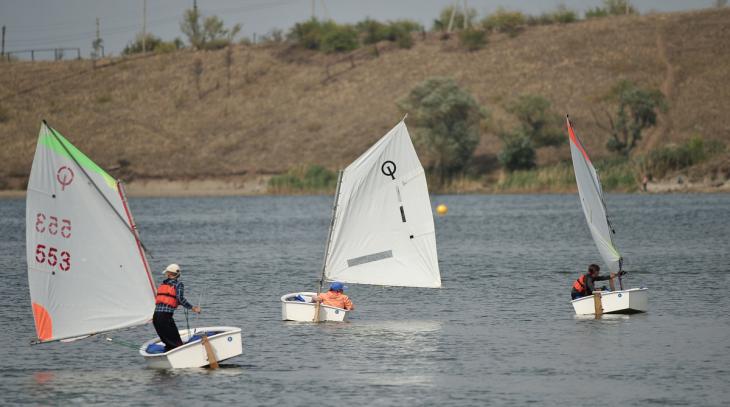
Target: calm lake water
[501,331]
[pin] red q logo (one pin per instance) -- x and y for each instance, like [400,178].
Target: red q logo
[65,176]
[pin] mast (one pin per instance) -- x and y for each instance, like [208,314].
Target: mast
[329,234]
[327,246]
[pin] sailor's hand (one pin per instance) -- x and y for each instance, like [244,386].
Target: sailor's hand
[621,273]
[196,309]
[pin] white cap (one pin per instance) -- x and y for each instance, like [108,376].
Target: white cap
[172,268]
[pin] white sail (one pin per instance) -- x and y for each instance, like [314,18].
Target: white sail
[383,232]
[86,268]
[591,199]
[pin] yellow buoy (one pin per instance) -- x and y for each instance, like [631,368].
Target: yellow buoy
[442,209]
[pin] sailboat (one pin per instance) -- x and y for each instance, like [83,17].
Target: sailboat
[381,231]
[87,269]
[620,301]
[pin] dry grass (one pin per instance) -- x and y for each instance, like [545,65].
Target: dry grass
[282,113]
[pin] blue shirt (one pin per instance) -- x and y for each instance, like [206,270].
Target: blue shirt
[179,293]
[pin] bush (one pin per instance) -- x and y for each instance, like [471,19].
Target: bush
[504,21]
[611,8]
[326,36]
[473,40]
[662,160]
[517,153]
[313,178]
[564,15]
[597,12]
[151,43]
[341,38]
[447,123]
[442,22]
[395,31]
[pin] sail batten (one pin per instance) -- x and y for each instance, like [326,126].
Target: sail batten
[592,202]
[86,273]
[384,233]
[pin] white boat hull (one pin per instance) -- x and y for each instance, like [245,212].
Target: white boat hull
[631,301]
[226,343]
[304,311]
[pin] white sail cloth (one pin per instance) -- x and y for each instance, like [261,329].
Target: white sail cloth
[86,270]
[383,232]
[591,199]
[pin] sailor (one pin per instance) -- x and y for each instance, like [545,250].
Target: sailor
[584,286]
[170,294]
[335,297]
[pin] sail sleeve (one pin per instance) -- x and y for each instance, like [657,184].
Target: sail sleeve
[86,272]
[383,232]
[591,199]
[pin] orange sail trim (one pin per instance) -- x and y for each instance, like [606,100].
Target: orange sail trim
[574,140]
[43,322]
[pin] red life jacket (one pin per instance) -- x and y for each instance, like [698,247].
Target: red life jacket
[167,294]
[580,284]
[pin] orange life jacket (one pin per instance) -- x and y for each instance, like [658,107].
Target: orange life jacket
[580,284]
[166,294]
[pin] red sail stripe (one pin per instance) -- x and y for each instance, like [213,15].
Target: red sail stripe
[576,142]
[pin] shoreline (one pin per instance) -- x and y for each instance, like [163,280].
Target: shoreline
[215,187]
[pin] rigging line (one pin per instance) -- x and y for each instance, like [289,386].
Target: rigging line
[88,177]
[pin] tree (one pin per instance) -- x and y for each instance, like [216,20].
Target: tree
[619,7]
[635,110]
[505,21]
[538,127]
[208,34]
[537,121]
[446,122]
[442,23]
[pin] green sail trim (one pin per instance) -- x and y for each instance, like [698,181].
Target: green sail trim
[48,140]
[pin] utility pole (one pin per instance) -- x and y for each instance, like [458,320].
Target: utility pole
[453,14]
[3,46]
[313,3]
[466,17]
[144,26]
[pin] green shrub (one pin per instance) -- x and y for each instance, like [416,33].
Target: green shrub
[675,157]
[597,12]
[542,19]
[564,15]
[473,40]
[517,153]
[504,21]
[373,31]
[326,36]
[152,44]
[341,38]
[313,178]
[398,31]
[442,22]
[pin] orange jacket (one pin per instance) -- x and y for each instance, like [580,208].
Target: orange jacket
[336,299]
[166,294]
[580,284]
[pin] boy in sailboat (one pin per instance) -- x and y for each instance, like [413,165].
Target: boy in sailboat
[584,285]
[335,297]
[170,294]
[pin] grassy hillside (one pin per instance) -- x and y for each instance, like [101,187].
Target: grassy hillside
[285,111]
